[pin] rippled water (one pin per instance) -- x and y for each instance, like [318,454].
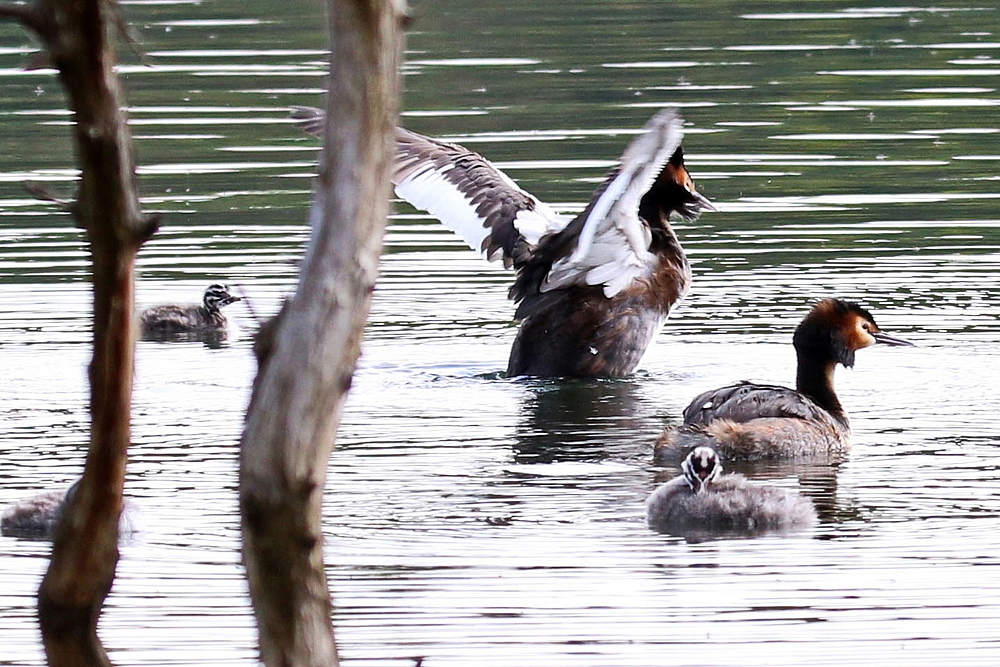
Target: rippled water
[853,151]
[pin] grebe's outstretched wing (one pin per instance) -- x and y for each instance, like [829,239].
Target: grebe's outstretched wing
[464,191]
[612,244]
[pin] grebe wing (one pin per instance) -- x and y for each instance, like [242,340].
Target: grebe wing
[745,401]
[464,191]
[612,242]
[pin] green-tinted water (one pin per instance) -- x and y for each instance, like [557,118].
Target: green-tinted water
[852,151]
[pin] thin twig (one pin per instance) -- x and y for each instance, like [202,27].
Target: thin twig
[249,304]
[39,191]
[122,26]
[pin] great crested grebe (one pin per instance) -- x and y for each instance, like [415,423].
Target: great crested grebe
[754,421]
[190,318]
[703,501]
[36,517]
[592,291]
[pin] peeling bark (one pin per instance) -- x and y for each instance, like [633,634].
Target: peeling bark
[307,355]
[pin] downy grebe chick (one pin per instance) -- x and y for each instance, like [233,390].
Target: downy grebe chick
[36,518]
[703,502]
[592,291]
[190,318]
[754,421]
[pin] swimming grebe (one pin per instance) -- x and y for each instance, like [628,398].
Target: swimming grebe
[36,518]
[592,291]
[703,501]
[190,318]
[753,421]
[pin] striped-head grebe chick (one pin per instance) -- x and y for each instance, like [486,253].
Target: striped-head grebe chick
[703,502]
[748,421]
[36,517]
[593,290]
[190,318]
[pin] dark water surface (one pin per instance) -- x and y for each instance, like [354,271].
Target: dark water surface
[853,151]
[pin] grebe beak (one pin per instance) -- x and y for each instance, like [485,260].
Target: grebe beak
[701,203]
[890,340]
[699,484]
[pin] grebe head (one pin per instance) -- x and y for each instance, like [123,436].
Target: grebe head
[692,203]
[834,330]
[678,189]
[217,296]
[701,467]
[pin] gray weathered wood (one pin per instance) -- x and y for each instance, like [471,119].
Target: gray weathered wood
[307,355]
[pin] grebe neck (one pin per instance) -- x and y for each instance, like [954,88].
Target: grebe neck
[815,379]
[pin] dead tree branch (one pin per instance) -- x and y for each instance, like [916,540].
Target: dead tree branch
[308,355]
[77,36]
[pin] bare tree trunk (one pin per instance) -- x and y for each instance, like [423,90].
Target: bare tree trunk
[77,37]
[307,355]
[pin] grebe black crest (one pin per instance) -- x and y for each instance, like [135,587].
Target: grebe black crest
[192,318]
[749,421]
[704,503]
[593,290]
[36,517]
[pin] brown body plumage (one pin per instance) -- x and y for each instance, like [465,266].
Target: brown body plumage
[749,421]
[191,318]
[592,291]
[579,331]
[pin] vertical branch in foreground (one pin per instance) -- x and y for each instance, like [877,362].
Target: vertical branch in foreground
[77,36]
[307,355]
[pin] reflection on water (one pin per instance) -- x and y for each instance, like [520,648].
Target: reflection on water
[210,338]
[473,519]
[571,420]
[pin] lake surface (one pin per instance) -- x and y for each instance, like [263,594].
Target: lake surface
[853,151]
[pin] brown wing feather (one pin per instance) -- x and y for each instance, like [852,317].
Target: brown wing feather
[745,401]
[496,200]
[463,190]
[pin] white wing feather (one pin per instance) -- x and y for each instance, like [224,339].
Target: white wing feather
[613,245]
[428,188]
[613,248]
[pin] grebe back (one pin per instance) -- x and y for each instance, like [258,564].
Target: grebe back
[35,518]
